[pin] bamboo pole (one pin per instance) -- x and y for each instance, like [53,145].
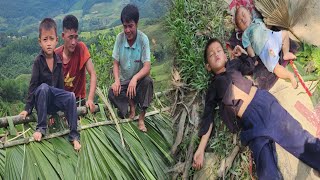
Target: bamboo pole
[65,132]
[31,118]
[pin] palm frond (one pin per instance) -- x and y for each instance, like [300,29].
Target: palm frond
[102,156]
[282,13]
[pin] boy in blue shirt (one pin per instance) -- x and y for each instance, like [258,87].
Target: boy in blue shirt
[261,41]
[46,89]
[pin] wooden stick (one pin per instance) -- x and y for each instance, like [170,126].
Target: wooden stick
[295,70]
[227,163]
[65,132]
[18,119]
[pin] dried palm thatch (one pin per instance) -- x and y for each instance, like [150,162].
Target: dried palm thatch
[292,15]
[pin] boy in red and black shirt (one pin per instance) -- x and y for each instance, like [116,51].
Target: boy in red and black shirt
[76,60]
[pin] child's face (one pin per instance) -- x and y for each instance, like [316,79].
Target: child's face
[216,58]
[243,18]
[48,41]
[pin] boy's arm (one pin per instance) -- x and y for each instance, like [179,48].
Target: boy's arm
[209,108]
[93,84]
[206,125]
[244,63]
[34,83]
[250,51]
[199,154]
[61,79]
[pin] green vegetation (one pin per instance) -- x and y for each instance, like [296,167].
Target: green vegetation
[20,18]
[191,24]
[308,65]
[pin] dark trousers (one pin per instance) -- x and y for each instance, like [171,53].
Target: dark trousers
[143,98]
[49,100]
[264,122]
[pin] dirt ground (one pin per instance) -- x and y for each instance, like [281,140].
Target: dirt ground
[308,26]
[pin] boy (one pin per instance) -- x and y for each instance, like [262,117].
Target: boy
[263,120]
[131,68]
[260,40]
[76,61]
[46,86]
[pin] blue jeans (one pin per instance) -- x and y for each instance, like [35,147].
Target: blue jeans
[49,100]
[265,122]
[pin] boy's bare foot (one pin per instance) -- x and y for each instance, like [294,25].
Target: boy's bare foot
[132,109]
[142,126]
[289,56]
[76,145]
[37,136]
[132,113]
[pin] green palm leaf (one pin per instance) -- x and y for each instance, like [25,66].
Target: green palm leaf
[2,162]
[13,165]
[105,154]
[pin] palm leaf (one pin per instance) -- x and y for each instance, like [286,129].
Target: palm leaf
[105,154]
[2,162]
[283,13]
[13,164]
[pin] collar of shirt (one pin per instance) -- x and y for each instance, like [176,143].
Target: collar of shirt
[56,59]
[134,45]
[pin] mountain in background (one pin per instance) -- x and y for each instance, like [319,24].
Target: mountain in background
[22,17]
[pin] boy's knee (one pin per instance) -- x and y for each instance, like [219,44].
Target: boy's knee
[72,96]
[110,94]
[42,88]
[148,80]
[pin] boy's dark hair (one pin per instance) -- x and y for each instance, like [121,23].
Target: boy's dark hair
[70,22]
[130,13]
[47,24]
[209,42]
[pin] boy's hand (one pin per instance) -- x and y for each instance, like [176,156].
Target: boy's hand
[238,50]
[90,105]
[116,87]
[24,114]
[198,159]
[131,92]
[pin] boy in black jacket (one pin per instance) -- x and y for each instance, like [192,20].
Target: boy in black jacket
[263,121]
[46,89]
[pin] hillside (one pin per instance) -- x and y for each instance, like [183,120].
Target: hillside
[21,17]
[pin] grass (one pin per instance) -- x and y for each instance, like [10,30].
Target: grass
[161,74]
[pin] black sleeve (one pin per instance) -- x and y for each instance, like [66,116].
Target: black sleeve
[244,64]
[61,79]
[209,110]
[34,83]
